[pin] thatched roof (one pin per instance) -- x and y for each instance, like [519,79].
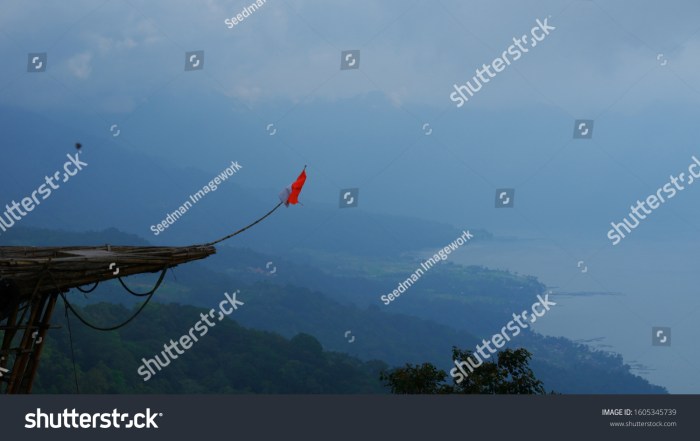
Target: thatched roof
[58,269]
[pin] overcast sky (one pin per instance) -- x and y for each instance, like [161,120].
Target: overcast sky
[117,52]
[632,69]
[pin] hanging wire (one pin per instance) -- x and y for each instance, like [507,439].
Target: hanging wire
[88,291]
[99,328]
[155,288]
[72,351]
[111,328]
[244,228]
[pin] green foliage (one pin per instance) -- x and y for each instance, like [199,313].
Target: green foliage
[509,374]
[228,359]
[418,379]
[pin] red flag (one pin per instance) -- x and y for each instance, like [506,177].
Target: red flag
[290,195]
[296,188]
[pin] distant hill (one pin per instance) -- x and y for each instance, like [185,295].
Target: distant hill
[128,189]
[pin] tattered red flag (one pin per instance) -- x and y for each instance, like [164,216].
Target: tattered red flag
[290,195]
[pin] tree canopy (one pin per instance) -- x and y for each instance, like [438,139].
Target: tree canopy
[509,373]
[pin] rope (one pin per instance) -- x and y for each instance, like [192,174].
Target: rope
[98,328]
[88,291]
[72,351]
[112,328]
[155,288]
[245,228]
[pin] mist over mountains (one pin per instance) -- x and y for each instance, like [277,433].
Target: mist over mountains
[563,188]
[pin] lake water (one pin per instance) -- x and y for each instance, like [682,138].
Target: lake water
[616,294]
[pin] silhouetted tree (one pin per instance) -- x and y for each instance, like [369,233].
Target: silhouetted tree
[508,374]
[423,379]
